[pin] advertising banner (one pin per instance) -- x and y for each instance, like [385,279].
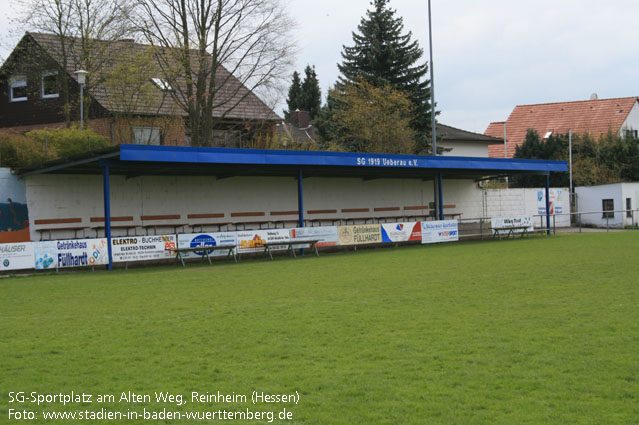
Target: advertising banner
[81,252]
[556,200]
[510,222]
[46,255]
[401,232]
[326,235]
[17,256]
[359,234]
[203,239]
[141,248]
[254,240]
[440,231]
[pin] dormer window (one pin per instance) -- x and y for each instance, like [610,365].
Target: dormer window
[50,85]
[18,88]
[162,84]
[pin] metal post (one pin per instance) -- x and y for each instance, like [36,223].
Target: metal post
[300,198]
[570,161]
[505,142]
[579,222]
[432,84]
[107,213]
[440,199]
[82,107]
[548,204]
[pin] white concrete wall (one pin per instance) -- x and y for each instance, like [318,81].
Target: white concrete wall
[64,196]
[510,202]
[591,198]
[476,149]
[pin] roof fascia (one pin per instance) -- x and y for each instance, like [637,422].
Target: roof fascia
[338,159]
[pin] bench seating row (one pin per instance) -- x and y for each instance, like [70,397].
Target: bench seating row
[234,221]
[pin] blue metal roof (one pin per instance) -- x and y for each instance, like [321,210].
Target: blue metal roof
[261,157]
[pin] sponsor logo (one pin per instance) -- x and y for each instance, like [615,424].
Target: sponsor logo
[345,235]
[256,242]
[399,227]
[11,249]
[5,263]
[447,234]
[203,240]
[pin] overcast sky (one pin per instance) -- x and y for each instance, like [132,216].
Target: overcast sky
[489,55]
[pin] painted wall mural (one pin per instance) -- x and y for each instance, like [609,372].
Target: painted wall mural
[14,215]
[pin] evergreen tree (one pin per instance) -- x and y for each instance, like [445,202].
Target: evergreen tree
[383,55]
[294,100]
[311,94]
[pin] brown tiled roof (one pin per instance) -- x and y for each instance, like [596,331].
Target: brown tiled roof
[594,117]
[234,99]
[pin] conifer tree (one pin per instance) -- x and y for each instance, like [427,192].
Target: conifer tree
[311,93]
[294,99]
[383,55]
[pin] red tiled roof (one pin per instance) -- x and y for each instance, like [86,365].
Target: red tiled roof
[594,117]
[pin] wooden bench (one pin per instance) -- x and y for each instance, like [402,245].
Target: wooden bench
[205,249]
[290,246]
[61,221]
[509,230]
[120,219]
[164,218]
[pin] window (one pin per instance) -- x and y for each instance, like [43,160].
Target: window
[147,135]
[628,207]
[50,85]
[608,206]
[631,134]
[18,89]
[162,84]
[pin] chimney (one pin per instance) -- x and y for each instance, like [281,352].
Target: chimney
[300,119]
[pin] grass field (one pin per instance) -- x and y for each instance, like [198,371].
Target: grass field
[538,331]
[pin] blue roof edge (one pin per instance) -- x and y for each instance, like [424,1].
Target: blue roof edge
[200,155]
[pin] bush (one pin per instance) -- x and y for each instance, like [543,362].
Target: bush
[29,149]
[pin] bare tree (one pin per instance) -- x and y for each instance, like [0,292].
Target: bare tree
[84,30]
[214,53]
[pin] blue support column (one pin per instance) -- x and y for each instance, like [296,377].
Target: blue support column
[440,196]
[548,204]
[300,198]
[107,213]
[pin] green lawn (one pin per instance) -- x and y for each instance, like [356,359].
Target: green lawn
[537,331]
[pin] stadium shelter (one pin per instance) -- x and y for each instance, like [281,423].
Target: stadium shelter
[145,160]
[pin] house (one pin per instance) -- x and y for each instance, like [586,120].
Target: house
[613,205]
[298,129]
[129,100]
[594,117]
[458,142]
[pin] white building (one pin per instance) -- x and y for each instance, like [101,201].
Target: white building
[609,204]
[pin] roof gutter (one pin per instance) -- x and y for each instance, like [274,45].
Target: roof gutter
[67,165]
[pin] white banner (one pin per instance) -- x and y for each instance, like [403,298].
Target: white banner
[440,231]
[17,256]
[46,255]
[401,232]
[327,235]
[254,240]
[203,239]
[81,252]
[517,222]
[556,200]
[142,248]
